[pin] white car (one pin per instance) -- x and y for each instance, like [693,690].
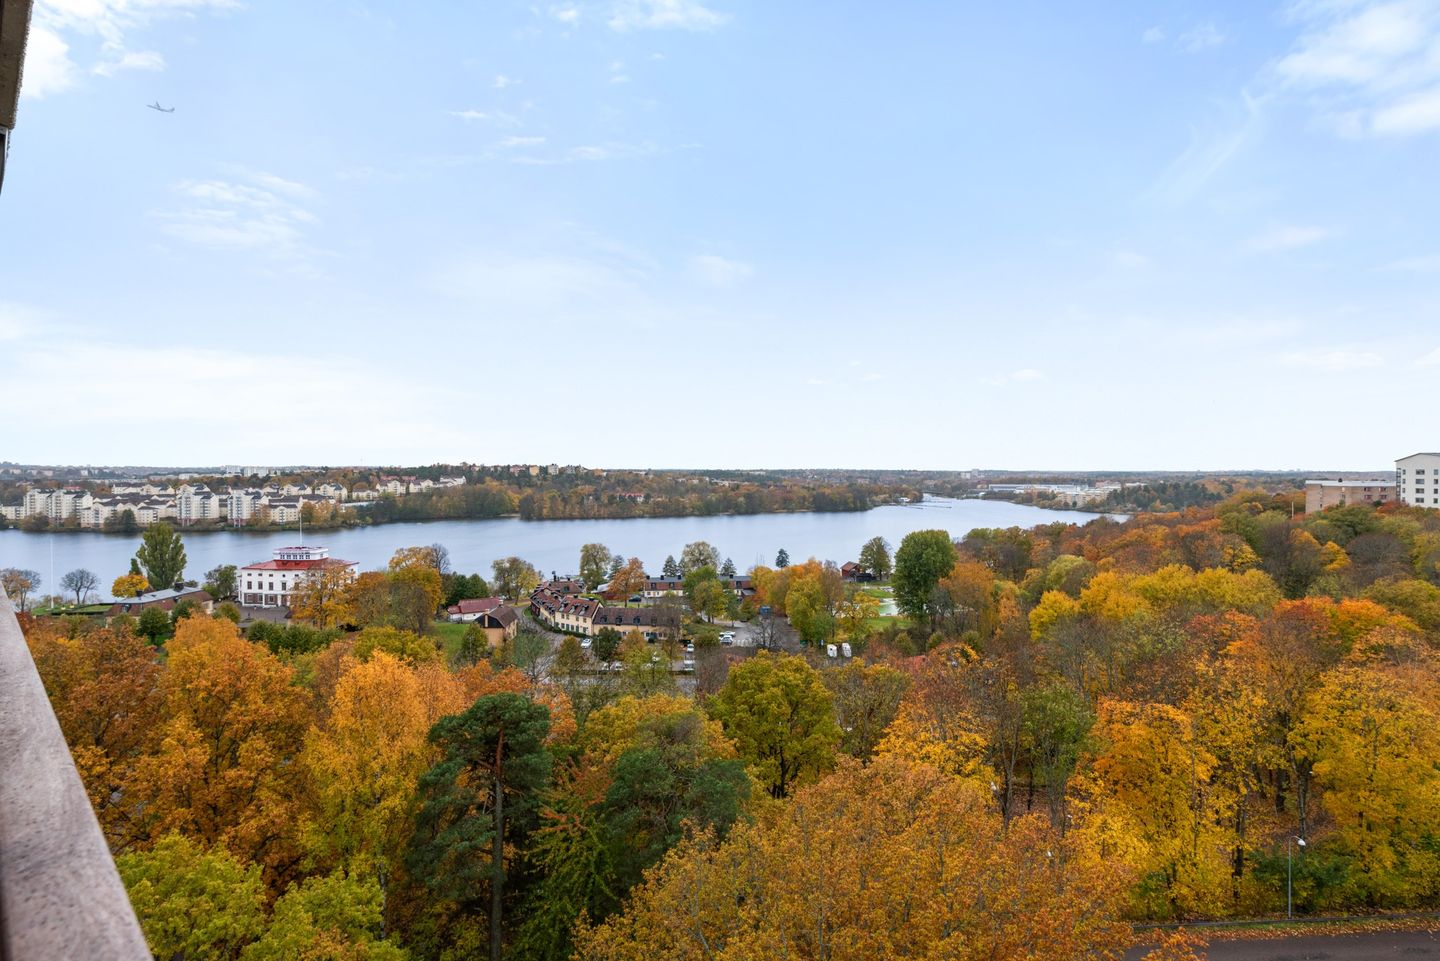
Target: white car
[585,644]
[687,666]
[845,649]
[829,650]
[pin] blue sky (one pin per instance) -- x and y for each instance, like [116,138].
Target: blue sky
[725,233]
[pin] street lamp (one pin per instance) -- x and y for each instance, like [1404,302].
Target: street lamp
[1290,875]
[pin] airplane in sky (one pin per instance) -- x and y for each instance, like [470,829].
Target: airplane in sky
[156,106]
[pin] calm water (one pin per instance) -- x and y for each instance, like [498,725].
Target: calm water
[549,545]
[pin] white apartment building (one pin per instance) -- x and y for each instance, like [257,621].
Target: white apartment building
[272,583]
[196,502]
[1417,480]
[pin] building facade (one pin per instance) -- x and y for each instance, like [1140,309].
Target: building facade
[273,583]
[1320,494]
[1417,480]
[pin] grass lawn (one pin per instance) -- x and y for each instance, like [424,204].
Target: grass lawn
[450,636]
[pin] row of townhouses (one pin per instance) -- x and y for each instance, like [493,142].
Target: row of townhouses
[560,605]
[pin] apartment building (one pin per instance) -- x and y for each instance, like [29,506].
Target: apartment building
[1417,480]
[1320,494]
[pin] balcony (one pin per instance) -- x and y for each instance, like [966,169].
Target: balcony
[60,895]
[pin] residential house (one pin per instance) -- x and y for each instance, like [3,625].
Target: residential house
[1320,494]
[273,583]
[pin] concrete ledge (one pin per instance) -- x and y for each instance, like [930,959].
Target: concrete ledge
[60,895]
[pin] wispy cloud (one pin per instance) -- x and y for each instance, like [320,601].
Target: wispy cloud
[97,31]
[1129,260]
[664,15]
[485,116]
[1428,264]
[1153,35]
[501,81]
[1371,66]
[1432,359]
[513,142]
[1289,237]
[716,271]
[1211,149]
[1202,36]
[1333,359]
[253,211]
[1025,375]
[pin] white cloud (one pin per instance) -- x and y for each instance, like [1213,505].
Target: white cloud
[1421,265]
[611,151]
[1333,359]
[664,15]
[512,142]
[474,116]
[1202,36]
[1129,260]
[104,27]
[501,81]
[48,67]
[1371,66]
[1152,35]
[1431,359]
[257,211]
[130,60]
[1209,152]
[1289,237]
[716,271]
[568,14]
[1025,375]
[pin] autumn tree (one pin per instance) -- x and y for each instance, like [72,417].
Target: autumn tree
[323,597]
[161,556]
[781,717]
[224,771]
[481,794]
[629,580]
[866,698]
[327,917]
[704,593]
[19,584]
[514,578]
[129,585]
[194,902]
[367,599]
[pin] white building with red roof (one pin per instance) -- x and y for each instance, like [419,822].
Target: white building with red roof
[272,583]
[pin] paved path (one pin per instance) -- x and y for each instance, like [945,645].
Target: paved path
[1341,947]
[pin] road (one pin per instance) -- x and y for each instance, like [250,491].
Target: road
[1372,946]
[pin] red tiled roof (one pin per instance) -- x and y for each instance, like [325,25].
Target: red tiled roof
[298,565]
[474,605]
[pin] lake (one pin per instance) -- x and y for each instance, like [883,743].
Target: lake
[550,545]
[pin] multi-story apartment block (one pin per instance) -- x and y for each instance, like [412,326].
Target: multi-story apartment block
[1320,494]
[1417,480]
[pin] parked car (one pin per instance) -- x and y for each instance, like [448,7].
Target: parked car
[585,644]
[688,666]
[829,650]
[690,647]
[727,638]
[845,649]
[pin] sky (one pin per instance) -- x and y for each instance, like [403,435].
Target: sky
[1167,234]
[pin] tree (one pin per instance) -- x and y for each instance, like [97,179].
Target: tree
[629,580]
[322,596]
[704,593]
[193,902]
[415,594]
[367,599]
[365,761]
[19,584]
[867,698]
[875,558]
[594,563]
[727,569]
[616,563]
[122,522]
[605,644]
[161,556]
[493,764]
[154,623]
[220,582]
[670,568]
[79,582]
[335,917]
[782,719]
[129,585]
[782,559]
[923,558]
[854,615]
[696,555]
[514,578]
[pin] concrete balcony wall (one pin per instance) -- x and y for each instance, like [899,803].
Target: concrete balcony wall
[60,896]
